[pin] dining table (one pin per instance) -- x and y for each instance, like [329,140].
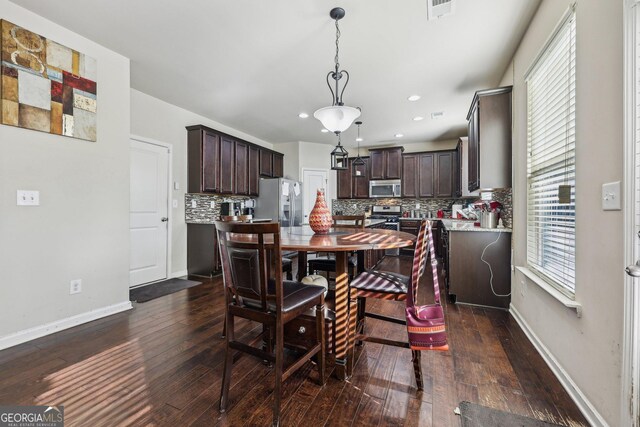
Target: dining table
[341,241]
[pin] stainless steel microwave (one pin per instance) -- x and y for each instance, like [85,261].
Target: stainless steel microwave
[386,188]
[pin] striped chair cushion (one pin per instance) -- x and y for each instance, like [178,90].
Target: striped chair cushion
[381,282]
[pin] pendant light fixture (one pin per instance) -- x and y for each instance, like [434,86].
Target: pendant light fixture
[358,164]
[339,156]
[338,117]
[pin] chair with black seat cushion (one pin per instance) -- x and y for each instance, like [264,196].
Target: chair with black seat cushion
[390,286]
[328,264]
[246,251]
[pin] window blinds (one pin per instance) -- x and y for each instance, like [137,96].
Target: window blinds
[551,117]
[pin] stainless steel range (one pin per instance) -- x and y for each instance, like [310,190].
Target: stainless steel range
[391,215]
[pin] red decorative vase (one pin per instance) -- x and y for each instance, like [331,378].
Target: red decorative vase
[320,219]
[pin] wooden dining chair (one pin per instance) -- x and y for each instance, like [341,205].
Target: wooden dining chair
[245,250]
[328,264]
[389,286]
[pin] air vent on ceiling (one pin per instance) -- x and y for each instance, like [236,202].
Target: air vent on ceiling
[439,8]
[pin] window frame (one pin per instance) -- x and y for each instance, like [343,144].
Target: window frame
[564,286]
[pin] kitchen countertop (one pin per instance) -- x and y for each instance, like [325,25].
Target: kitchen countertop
[467,225]
[367,222]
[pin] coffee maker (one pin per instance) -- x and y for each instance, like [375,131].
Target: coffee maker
[231,208]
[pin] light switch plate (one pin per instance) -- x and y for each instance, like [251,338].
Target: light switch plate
[176,185]
[175,203]
[28,198]
[611,199]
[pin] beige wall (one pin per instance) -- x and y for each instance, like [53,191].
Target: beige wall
[81,228]
[587,348]
[158,120]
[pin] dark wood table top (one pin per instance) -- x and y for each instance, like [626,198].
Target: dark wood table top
[340,239]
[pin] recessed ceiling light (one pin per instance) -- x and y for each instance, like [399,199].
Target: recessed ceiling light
[303,115]
[359,139]
[399,135]
[437,115]
[413,98]
[418,118]
[324,130]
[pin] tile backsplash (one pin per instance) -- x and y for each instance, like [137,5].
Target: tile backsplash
[359,206]
[203,213]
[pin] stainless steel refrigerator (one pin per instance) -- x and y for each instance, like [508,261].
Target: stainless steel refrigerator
[280,199]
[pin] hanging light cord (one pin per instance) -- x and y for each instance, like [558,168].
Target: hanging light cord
[336,96]
[337,59]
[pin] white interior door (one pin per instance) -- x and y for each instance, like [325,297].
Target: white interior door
[312,179]
[148,218]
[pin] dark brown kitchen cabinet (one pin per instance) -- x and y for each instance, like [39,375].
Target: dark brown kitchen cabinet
[203,258]
[219,163]
[444,174]
[203,155]
[344,183]
[489,130]
[242,168]
[430,174]
[266,163]
[418,175]
[352,186]
[409,174]
[410,226]
[425,175]
[386,163]
[278,165]
[254,173]
[360,179]
[227,165]
[457,172]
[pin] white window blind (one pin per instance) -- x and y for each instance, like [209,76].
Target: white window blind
[551,117]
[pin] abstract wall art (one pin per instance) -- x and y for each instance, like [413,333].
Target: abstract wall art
[46,86]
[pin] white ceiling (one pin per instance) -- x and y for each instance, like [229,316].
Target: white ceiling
[254,64]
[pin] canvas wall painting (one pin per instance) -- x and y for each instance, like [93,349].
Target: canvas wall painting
[46,86]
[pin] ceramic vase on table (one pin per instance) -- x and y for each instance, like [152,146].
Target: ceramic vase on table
[320,219]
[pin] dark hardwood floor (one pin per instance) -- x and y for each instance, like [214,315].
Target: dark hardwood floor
[161,364]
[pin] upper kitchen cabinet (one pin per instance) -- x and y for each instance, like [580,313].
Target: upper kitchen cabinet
[271,164]
[219,163]
[278,165]
[227,165]
[360,179]
[254,166]
[266,163]
[430,174]
[490,139]
[352,186]
[203,157]
[386,163]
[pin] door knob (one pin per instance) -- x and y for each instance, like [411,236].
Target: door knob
[633,270]
[164,219]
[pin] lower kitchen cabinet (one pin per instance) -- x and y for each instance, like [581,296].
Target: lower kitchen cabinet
[411,226]
[203,257]
[468,278]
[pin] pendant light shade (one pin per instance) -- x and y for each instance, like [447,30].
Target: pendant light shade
[337,118]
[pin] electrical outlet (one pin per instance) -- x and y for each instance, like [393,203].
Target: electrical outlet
[212,205]
[194,204]
[75,286]
[417,205]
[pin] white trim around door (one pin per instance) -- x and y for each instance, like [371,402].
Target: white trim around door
[629,404]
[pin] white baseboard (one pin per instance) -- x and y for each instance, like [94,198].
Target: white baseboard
[587,409]
[179,274]
[59,325]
